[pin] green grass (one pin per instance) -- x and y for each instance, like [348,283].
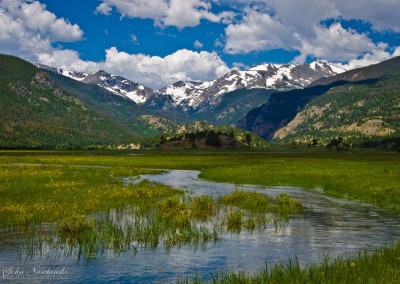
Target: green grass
[90,211]
[75,224]
[234,221]
[33,194]
[369,177]
[379,266]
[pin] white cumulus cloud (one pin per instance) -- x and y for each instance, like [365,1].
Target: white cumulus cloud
[103,8]
[376,56]
[197,44]
[281,25]
[258,31]
[153,71]
[178,13]
[336,44]
[27,29]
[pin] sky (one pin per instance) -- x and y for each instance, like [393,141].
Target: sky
[159,42]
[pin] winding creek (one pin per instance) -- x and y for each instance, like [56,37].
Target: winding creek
[330,227]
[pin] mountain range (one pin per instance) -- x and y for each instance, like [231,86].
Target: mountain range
[50,107]
[221,101]
[360,103]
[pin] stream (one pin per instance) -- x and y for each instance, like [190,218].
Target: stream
[330,227]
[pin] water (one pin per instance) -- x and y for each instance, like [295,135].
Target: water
[330,227]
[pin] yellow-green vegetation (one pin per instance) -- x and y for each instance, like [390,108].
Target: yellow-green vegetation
[92,210]
[369,177]
[283,203]
[33,194]
[379,266]
[254,202]
[202,206]
[373,178]
[234,221]
[75,224]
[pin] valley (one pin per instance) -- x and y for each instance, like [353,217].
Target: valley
[201,141]
[258,176]
[85,209]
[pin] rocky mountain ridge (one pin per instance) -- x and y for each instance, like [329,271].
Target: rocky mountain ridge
[358,103]
[198,96]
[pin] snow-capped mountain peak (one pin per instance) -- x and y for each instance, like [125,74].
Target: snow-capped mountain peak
[116,84]
[194,95]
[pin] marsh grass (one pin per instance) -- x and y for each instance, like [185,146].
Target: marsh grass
[234,221]
[379,266]
[95,213]
[202,206]
[366,176]
[247,200]
[35,194]
[256,209]
[75,224]
[286,205]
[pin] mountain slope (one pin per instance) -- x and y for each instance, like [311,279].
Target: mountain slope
[119,108]
[197,95]
[354,111]
[369,72]
[282,108]
[35,112]
[219,100]
[233,105]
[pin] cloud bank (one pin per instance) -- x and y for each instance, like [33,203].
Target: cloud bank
[153,71]
[312,28]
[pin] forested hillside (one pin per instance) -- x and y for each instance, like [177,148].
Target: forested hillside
[354,111]
[285,111]
[36,113]
[121,109]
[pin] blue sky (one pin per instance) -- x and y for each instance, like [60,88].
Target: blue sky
[157,42]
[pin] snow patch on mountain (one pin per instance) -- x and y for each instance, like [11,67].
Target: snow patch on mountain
[194,94]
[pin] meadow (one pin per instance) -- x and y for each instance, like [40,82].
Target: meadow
[366,176]
[89,210]
[56,188]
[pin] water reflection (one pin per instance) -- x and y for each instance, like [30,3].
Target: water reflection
[331,227]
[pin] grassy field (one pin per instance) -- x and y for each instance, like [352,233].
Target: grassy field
[380,266]
[56,189]
[369,177]
[85,204]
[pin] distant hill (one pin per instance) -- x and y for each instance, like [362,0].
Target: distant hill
[354,111]
[159,124]
[176,135]
[36,112]
[282,108]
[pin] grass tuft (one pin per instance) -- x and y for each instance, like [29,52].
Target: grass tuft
[75,224]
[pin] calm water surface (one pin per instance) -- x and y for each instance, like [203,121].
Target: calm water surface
[330,227]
